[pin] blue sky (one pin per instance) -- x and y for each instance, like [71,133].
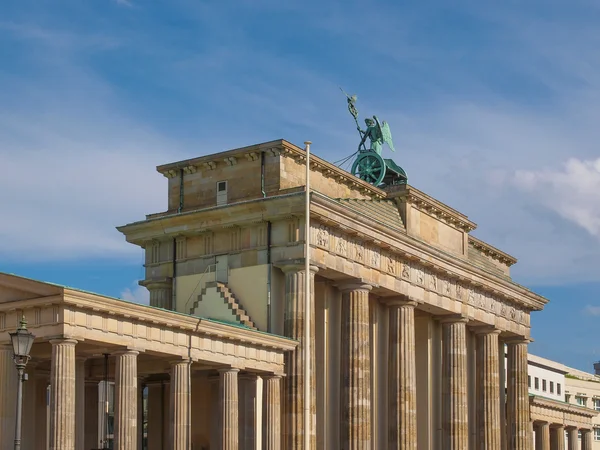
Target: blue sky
[494,110]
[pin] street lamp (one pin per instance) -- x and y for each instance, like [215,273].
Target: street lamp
[22,340]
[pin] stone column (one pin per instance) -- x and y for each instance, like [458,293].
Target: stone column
[41,410]
[126,392]
[293,327]
[488,389]
[62,395]
[8,397]
[156,408]
[355,368]
[572,438]
[80,403]
[91,415]
[228,402]
[518,427]
[180,405]
[455,399]
[586,440]
[272,413]
[542,436]
[557,438]
[402,376]
[247,412]
[161,292]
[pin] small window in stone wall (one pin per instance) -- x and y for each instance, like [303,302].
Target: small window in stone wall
[208,244]
[537,383]
[558,388]
[155,252]
[181,249]
[544,385]
[294,230]
[552,387]
[221,192]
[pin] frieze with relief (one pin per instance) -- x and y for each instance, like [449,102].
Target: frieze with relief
[341,246]
[321,237]
[359,251]
[375,259]
[392,264]
[405,270]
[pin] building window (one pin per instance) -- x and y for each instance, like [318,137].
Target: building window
[221,192]
[597,434]
[597,404]
[544,385]
[529,381]
[537,383]
[558,388]
[552,387]
[580,400]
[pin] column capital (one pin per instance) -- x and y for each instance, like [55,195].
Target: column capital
[295,265]
[67,341]
[126,352]
[176,361]
[354,285]
[518,340]
[452,318]
[228,370]
[271,376]
[485,329]
[399,301]
[156,283]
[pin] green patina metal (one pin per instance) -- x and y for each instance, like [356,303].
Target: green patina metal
[369,164]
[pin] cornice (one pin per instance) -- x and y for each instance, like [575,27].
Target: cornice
[562,406]
[482,279]
[492,252]
[424,203]
[171,319]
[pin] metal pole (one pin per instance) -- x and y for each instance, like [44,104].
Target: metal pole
[307,311]
[20,371]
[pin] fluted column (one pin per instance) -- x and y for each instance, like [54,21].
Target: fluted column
[572,438]
[272,413]
[126,392]
[91,415]
[542,436]
[402,376]
[180,407]
[586,440]
[293,327]
[8,397]
[41,410]
[80,403]
[455,400]
[355,368]
[228,402]
[161,292]
[557,438]
[62,395]
[518,427]
[488,389]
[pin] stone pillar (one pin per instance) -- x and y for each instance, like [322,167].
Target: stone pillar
[586,440]
[572,438]
[542,436]
[62,395]
[402,376]
[215,401]
[80,403]
[126,392]
[355,368]
[8,397]
[161,292]
[518,427]
[557,438]
[228,402]
[488,389]
[272,413]
[293,327]
[180,405]
[91,439]
[41,410]
[455,399]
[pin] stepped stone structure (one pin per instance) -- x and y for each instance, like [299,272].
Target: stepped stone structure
[409,318]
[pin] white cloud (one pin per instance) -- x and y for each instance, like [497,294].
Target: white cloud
[592,310]
[573,192]
[139,294]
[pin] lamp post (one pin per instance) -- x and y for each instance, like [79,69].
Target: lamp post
[21,340]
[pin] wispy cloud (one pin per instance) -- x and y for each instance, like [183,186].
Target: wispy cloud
[592,310]
[137,294]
